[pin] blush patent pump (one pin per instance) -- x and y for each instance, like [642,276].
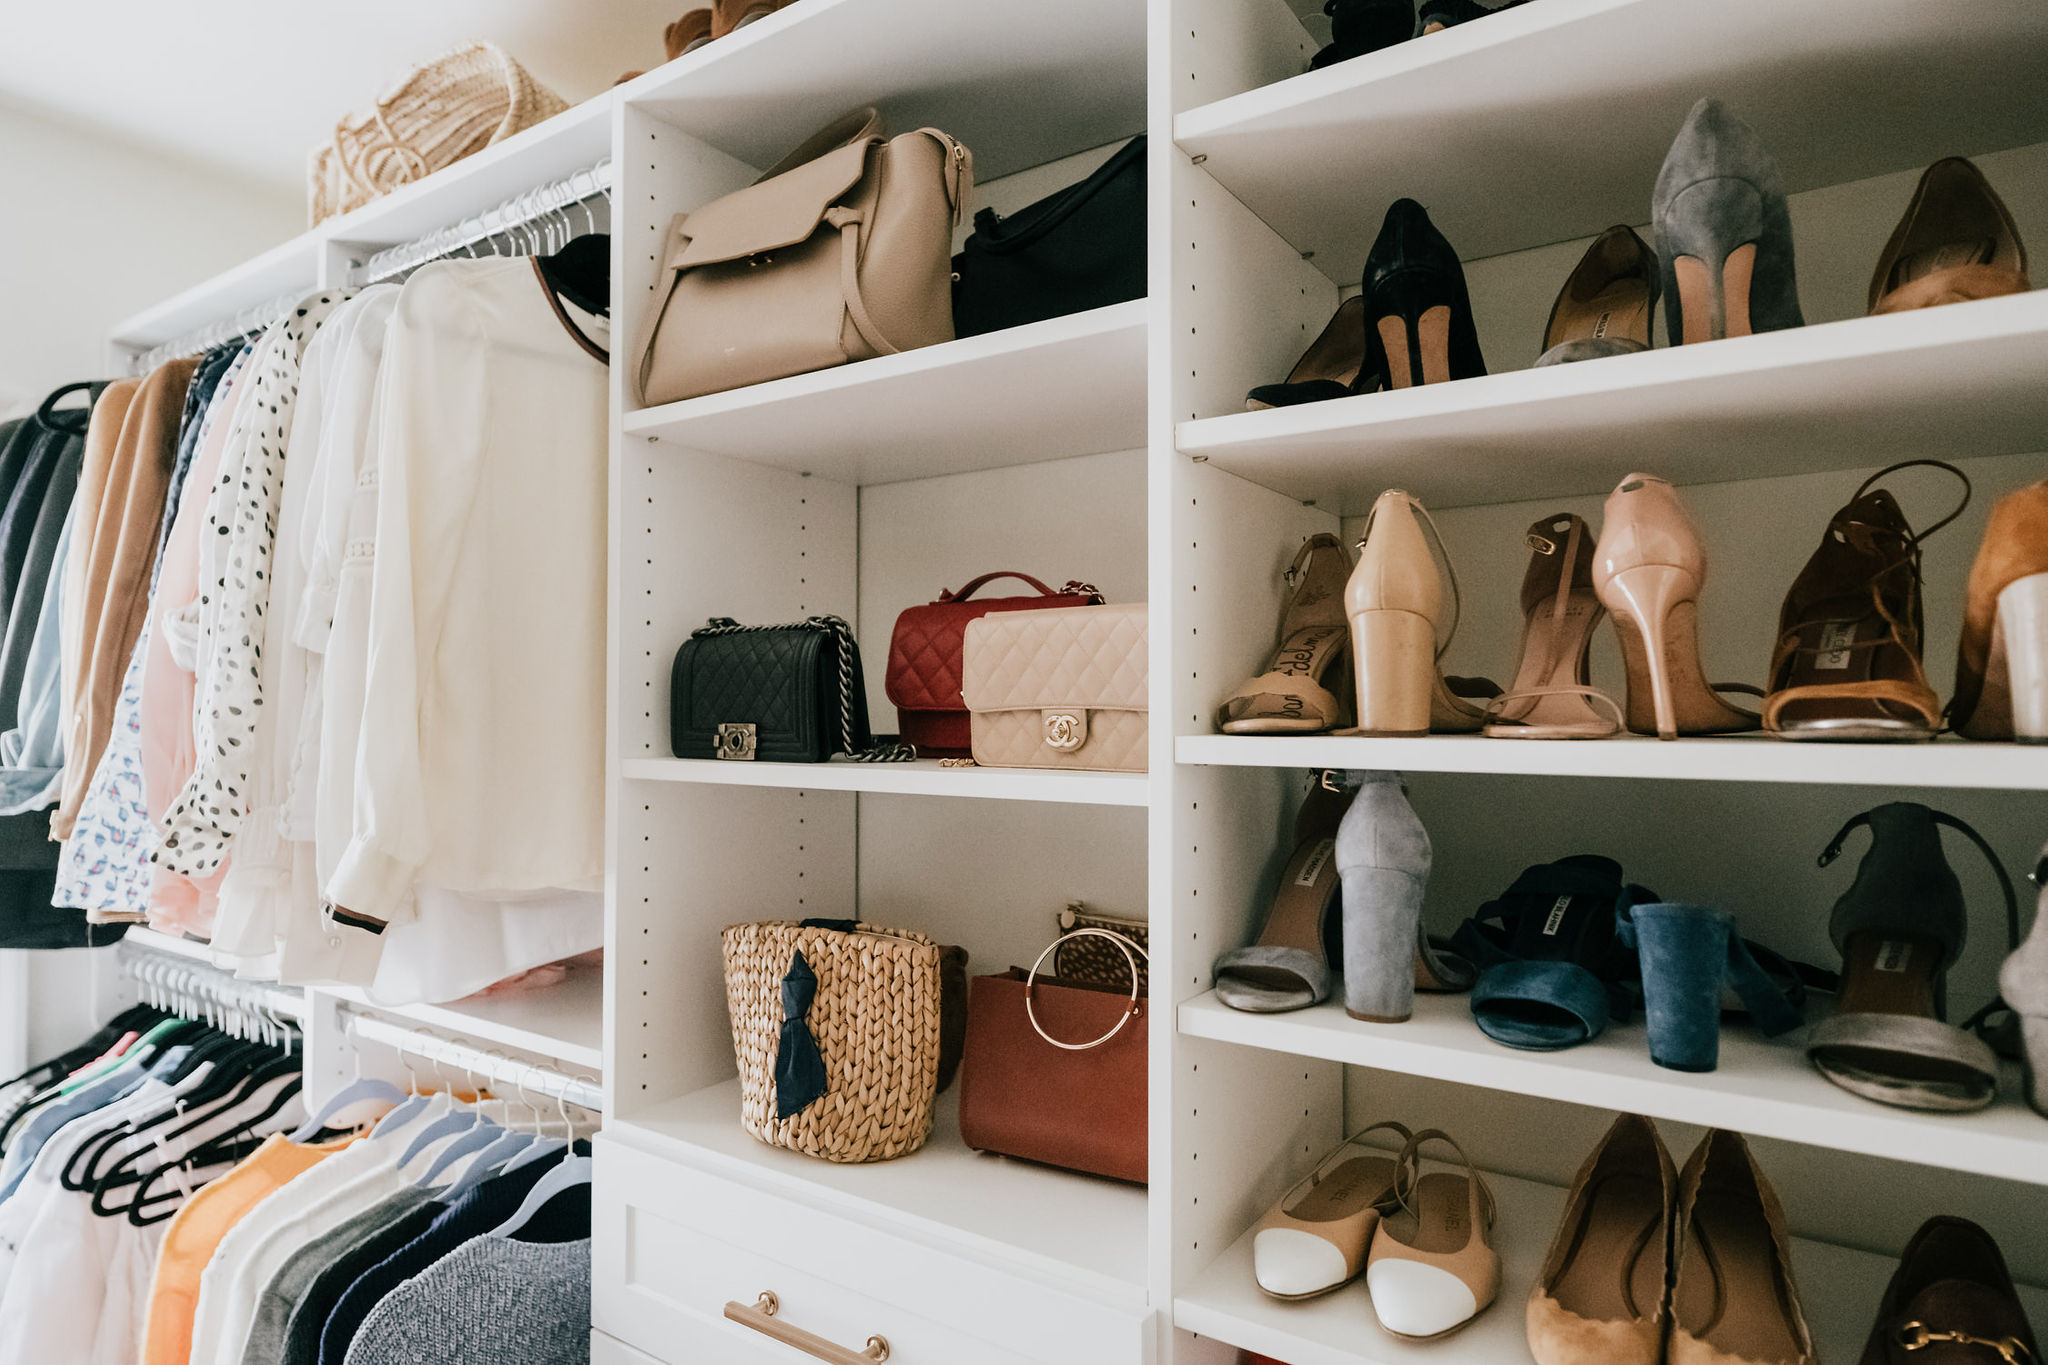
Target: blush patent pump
[1648,573]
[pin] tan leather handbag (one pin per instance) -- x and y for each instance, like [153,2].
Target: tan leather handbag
[1058,689]
[841,252]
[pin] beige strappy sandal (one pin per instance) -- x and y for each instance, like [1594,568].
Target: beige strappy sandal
[1551,696]
[1293,696]
[1433,1267]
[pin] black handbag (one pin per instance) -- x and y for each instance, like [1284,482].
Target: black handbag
[1079,249]
[780,694]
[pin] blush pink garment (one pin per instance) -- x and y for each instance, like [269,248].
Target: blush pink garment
[178,904]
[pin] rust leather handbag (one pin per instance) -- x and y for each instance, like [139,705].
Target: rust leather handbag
[923,679]
[1054,1071]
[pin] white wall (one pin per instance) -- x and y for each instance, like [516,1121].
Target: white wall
[95,230]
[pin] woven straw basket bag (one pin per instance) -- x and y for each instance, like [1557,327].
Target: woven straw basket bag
[880,1015]
[444,111]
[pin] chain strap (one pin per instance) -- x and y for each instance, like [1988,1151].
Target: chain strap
[842,633]
[1918,1336]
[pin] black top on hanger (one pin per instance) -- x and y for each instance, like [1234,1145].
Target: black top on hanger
[581,272]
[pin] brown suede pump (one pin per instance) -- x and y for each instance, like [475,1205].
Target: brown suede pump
[1956,242]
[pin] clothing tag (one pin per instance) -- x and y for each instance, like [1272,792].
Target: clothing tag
[1835,640]
[1893,955]
[1551,925]
[1600,327]
[1318,858]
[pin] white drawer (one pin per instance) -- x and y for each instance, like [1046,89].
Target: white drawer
[675,1244]
[607,1350]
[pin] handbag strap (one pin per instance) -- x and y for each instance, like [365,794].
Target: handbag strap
[840,631]
[1131,951]
[1073,586]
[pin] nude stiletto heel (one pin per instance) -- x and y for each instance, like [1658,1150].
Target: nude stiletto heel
[1552,696]
[1648,573]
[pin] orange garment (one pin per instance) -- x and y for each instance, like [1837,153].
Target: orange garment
[193,1234]
[115,540]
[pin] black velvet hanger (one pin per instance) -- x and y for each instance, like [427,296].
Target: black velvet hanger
[581,272]
[71,420]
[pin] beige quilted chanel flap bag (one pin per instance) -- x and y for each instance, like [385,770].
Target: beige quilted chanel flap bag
[1058,689]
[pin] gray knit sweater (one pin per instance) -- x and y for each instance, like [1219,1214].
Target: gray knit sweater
[491,1301]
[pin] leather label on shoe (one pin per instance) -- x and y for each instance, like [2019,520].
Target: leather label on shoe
[1318,859]
[1833,650]
[1894,955]
[1551,925]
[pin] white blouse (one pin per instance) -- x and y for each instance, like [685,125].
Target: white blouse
[264,904]
[480,765]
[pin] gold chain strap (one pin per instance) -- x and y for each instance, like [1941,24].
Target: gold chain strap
[1918,1336]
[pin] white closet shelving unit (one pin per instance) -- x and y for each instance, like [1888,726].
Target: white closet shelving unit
[1111,446]
[1524,134]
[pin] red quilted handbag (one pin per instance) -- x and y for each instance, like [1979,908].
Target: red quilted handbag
[923,681]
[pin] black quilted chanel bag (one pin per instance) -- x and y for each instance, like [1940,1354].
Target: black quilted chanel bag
[1081,248]
[780,694]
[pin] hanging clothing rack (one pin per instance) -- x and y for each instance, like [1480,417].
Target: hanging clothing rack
[248,322]
[525,1077]
[260,1011]
[515,219]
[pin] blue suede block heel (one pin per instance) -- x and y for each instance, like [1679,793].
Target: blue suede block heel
[1689,953]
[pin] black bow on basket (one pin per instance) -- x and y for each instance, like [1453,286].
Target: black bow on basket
[799,1066]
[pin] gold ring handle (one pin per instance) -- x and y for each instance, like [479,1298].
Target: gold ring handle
[760,1315]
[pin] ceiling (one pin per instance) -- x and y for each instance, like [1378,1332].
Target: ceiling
[251,86]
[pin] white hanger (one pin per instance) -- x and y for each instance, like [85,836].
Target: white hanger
[573,1171]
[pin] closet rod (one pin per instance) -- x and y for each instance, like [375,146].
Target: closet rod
[258,1010]
[534,1078]
[542,203]
[247,322]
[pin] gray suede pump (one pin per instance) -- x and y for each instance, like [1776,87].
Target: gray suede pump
[1724,235]
[1383,860]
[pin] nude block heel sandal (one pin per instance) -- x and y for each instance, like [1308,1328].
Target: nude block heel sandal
[1394,601]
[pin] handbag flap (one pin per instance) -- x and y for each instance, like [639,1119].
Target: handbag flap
[773,214]
[1084,657]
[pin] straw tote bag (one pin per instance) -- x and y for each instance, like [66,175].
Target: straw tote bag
[845,1034]
[842,252]
[444,111]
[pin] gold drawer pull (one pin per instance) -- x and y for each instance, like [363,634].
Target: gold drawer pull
[760,1315]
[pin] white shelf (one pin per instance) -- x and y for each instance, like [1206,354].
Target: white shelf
[564,1022]
[1838,1288]
[285,268]
[1073,385]
[1762,1086]
[1055,1225]
[1731,758]
[1019,84]
[924,777]
[573,140]
[1550,122]
[1962,380]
